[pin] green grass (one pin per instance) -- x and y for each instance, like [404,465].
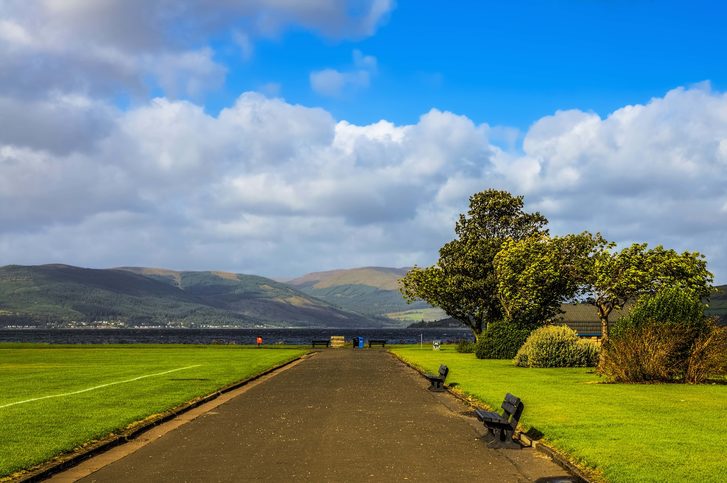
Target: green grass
[36,431]
[415,315]
[620,432]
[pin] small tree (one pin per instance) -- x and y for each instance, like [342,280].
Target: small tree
[463,282]
[610,279]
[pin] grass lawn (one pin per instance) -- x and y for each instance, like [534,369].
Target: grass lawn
[621,432]
[100,389]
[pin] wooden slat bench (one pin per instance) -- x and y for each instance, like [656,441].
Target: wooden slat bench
[501,429]
[324,342]
[437,380]
[381,342]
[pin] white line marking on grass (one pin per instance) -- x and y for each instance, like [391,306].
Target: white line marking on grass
[97,387]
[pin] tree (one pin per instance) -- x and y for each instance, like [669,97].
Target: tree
[535,275]
[463,282]
[610,279]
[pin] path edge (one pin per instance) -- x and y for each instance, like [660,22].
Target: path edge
[552,453]
[68,460]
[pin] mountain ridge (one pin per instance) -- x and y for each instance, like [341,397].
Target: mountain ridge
[59,294]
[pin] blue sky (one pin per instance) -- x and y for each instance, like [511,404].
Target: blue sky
[284,137]
[505,63]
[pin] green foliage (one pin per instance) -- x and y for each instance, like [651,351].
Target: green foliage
[556,346]
[665,337]
[622,433]
[465,346]
[501,340]
[613,278]
[587,354]
[463,282]
[671,305]
[537,274]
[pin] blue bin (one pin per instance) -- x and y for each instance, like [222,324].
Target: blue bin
[359,342]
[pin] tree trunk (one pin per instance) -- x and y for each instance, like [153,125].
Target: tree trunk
[603,312]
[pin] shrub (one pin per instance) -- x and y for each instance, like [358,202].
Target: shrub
[465,346]
[500,340]
[587,353]
[708,356]
[665,337]
[556,346]
[672,305]
[643,354]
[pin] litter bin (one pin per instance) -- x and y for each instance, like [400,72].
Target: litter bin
[355,342]
[360,342]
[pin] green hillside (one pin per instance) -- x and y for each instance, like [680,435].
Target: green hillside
[256,297]
[61,295]
[718,304]
[369,290]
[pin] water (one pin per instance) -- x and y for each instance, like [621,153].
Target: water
[225,336]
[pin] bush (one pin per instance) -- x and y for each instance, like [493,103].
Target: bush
[708,356]
[665,337]
[587,353]
[643,354]
[556,346]
[500,340]
[465,346]
[671,306]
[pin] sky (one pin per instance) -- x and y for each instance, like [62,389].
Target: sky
[280,137]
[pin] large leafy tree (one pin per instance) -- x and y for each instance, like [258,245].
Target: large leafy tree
[610,278]
[463,282]
[535,275]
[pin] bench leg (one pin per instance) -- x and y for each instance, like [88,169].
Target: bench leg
[501,438]
[436,386]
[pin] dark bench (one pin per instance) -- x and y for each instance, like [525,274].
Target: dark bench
[324,342]
[501,429]
[437,380]
[381,342]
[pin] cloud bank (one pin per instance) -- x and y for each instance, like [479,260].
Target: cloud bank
[275,188]
[108,47]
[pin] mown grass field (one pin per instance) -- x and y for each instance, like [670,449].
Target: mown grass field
[620,432]
[97,390]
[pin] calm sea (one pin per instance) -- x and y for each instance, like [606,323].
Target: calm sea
[225,336]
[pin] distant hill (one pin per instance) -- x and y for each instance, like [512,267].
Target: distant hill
[370,290]
[51,295]
[718,304]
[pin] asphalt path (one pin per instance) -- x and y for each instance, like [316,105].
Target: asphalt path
[339,415]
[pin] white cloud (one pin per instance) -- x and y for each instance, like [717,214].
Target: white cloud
[138,45]
[275,188]
[333,83]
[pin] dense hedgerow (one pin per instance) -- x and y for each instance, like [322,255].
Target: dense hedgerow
[557,346]
[500,340]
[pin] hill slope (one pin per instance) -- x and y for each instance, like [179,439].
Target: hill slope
[369,290]
[59,294]
[257,297]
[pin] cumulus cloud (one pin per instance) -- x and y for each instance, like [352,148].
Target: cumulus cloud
[271,187]
[333,83]
[654,172]
[135,45]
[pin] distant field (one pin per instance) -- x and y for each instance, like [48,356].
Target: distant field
[417,315]
[624,432]
[56,398]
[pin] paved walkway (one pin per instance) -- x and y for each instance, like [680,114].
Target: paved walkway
[340,415]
